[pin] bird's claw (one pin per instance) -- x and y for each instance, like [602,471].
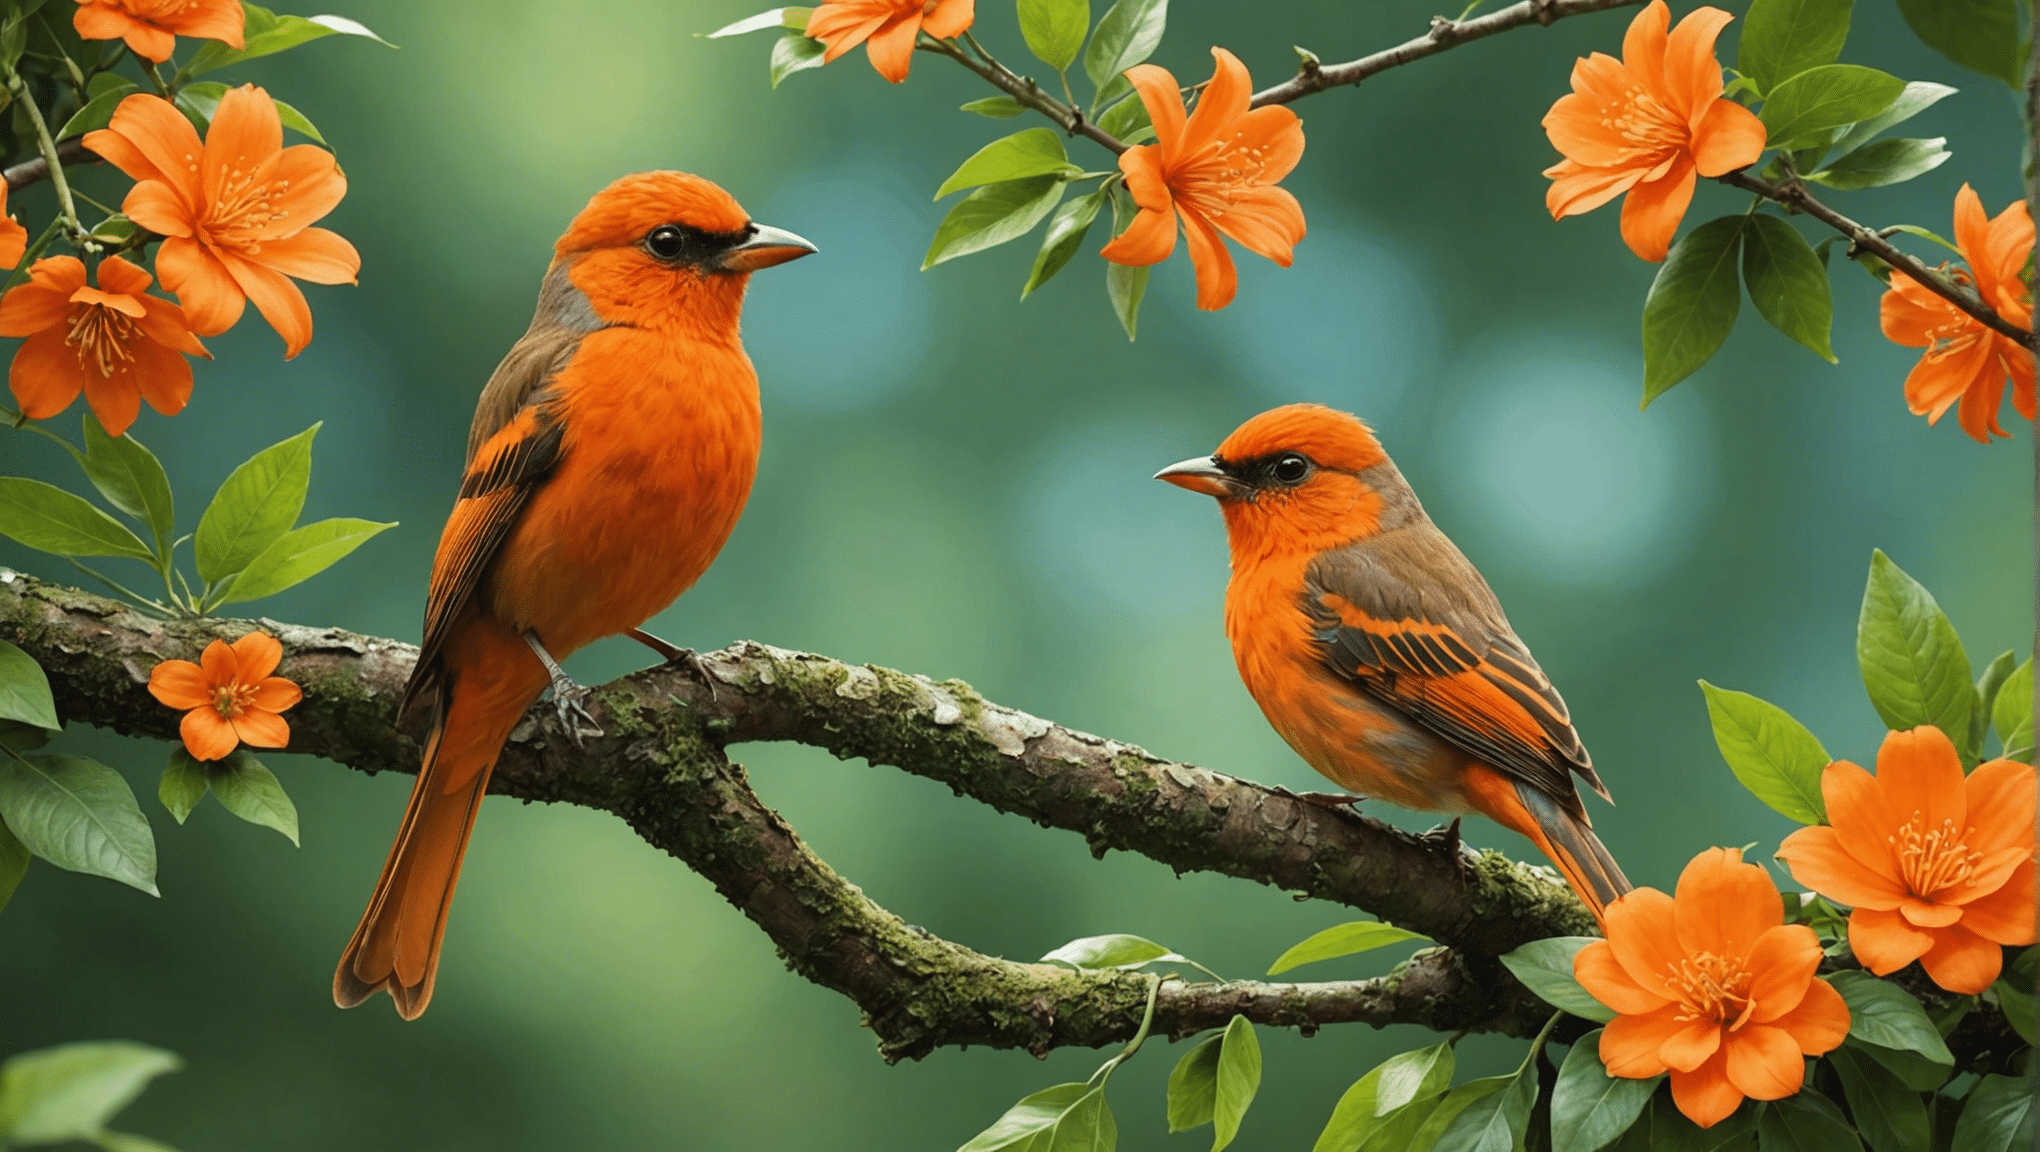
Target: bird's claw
[574,718]
[691,660]
[1446,836]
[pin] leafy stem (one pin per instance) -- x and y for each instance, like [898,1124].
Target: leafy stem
[48,147]
[1068,117]
[133,596]
[1147,1022]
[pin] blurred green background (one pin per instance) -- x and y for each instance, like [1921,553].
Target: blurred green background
[957,484]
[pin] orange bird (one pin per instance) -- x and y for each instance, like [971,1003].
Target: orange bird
[610,457]
[1378,652]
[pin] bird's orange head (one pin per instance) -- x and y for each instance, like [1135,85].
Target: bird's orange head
[657,249]
[1301,478]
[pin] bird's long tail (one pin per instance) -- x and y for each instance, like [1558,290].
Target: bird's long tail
[1564,836]
[396,946]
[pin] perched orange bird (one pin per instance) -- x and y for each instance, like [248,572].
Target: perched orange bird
[610,456]
[1378,652]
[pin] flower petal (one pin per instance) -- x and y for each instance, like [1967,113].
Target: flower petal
[1693,1044]
[1643,45]
[163,137]
[2005,915]
[1928,914]
[156,206]
[1692,74]
[279,301]
[222,667]
[1764,1063]
[1604,978]
[1883,942]
[115,400]
[258,654]
[1817,859]
[306,184]
[1217,279]
[276,695]
[891,48]
[45,376]
[259,729]
[1705,1095]
[163,321]
[1921,774]
[1729,136]
[1631,1045]
[1148,240]
[1225,99]
[246,133]
[1163,98]
[1864,818]
[1722,905]
[1266,221]
[205,735]
[211,299]
[179,684]
[315,254]
[1781,966]
[1962,961]
[1575,190]
[2001,798]
[1820,1022]
[1652,211]
[1641,934]
[161,375]
[949,18]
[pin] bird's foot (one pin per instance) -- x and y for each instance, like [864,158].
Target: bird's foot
[672,653]
[574,718]
[1446,836]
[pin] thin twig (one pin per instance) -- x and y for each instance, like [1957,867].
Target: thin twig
[1071,119]
[47,146]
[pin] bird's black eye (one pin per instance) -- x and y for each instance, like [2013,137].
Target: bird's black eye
[667,242]
[1291,468]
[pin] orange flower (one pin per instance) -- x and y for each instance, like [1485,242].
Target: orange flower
[1649,124]
[13,237]
[1938,866]
[887,28]
[231,696]
[234,210]
[1217,169]
[1712,985]
[151,27]
[115,343]
[1964,359]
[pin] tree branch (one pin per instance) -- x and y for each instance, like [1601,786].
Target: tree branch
[662,768]
[35,168]
[1069,117]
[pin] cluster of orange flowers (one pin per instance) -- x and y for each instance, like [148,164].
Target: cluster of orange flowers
[1711,985]
[234,213]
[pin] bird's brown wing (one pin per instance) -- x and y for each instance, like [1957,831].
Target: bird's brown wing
[1407,618]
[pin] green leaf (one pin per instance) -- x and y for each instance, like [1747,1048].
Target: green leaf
[792,53]
[1782,38]
[1064,1118]
[1127,34]
[1787,283]
[25,690]
[1805,110]
[1589,1108]
[993,215]
[131,479]
[1884,1014]
[299,555]
[1883,162]
[1123,285]
[1912,1069]
[258,503]
[1394,1095]
[2012,714]
[22,737]
[1979,34]
[1806,1122]
[1988,684]
[794,18]
[49,519]
[69,1092]
[97,112]
[1128,120]
[129,1142]
[2016,1001]
[1055,29]
[1664,1129]
[1413,1076]
[79,815]
[1890,1117]
[1999,1117]
[265,33]
[13,865]
[183,784]
[1239,1077]
[1919,95]
[1691,306]
[1033,152]
[247,788]
[995,107]
[1342,940]
[1117,950]
[1193,1085]
[1398,1128]
[1913,663]
[1772,754]
[1546,968]
[297,122]
[1493,1120]
[1066,232]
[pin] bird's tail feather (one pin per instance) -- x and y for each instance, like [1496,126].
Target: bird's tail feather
[1564,836]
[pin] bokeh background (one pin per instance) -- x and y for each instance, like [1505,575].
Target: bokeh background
[956,483]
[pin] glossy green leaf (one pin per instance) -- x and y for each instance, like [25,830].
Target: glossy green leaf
[1889,1116]
[297,122]
[131,479]
[794,18]
[1054,29]
[69,1092]
[1918,96]
[256,505]
[1396,1130]
[1692,305]
[1782,38]
[2000,1116]
[183,784]
[2015,999]
[992,215]
[1979,34]
[25,689]
[995,107]
[1128,121]
[23,737]
[1884,1014]
[265,33]
[1806,109]
[1787,282]
[1127,34]
[1125,286]
[1115,950]
[1065,1118]
[247,788]
[1589,1108]
[1493,1120]
[2012,714]
[1239,1078]
[1913,1070]
[1772,754]
[97,112]
[1385,1107]
[1807,1122]
[49,519]
[13,863]
[1664,1129]
[300,554]
[1913,664]
[129,1142]
[1413,1076]
[79,815]
[794,53]
[1193,1085]
[1341,940]
[1883,162]
[1546,968]
[1065,234]
[1988,683]
[1354,1117]
[1033,152]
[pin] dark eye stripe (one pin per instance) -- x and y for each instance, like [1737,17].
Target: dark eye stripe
[684,244]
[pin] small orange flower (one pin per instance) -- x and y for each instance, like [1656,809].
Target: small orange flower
[1966,361]
[1217,169]
[887,28]
[235,210]
[1712,985]
[151,27]
[1938,866]
[1649,124]
[13,237]
[230,695]
[116,343]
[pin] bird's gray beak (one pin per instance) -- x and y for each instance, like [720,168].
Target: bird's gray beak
[1203,474]
[767,246]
